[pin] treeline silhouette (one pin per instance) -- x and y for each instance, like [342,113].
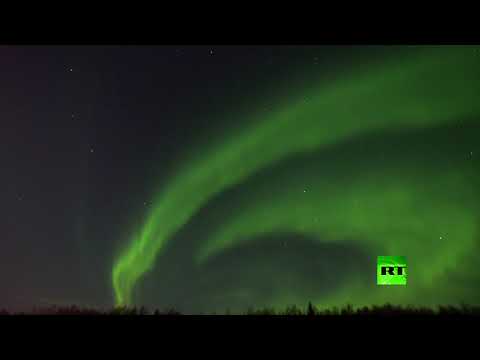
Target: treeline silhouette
[293,310]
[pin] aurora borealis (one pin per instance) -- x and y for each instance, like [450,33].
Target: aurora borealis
[207,178]
[353,160]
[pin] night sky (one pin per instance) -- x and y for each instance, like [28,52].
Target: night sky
[215,177]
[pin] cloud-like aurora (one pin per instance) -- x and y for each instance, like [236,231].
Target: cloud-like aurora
[385,209]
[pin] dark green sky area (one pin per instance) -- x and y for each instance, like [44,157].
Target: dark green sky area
[215,177]
[269,268]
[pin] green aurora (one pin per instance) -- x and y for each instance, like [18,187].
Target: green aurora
[382,183]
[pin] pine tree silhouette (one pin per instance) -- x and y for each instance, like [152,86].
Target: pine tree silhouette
[311,311]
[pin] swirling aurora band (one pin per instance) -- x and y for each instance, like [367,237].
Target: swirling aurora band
[384,209]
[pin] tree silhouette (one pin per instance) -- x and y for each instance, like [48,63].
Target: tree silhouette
[311,310]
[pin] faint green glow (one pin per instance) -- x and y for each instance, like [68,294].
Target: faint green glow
[432,88]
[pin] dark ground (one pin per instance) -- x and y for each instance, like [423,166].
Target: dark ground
[387,310]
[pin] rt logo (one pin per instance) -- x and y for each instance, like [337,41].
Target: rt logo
[391,270]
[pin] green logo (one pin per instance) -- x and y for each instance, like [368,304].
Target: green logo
[391,270]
